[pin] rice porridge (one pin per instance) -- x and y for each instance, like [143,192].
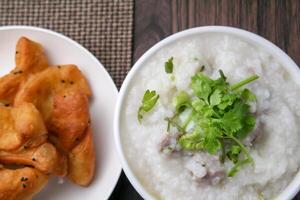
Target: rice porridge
[193,175]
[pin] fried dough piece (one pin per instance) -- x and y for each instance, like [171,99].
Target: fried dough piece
[9,86]
[30,59]
[30,56]
[70,117]
[21,125]
[21,184]
[61,95]
[45,158]
[82,160]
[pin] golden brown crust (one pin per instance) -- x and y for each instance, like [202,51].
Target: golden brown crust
[30,59]
[21,184]
[70,117]
[61,95]
[20,125]
[45,158]
[30,56]
[9,86]
[59,80]
[82,161]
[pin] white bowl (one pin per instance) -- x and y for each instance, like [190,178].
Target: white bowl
[291,190]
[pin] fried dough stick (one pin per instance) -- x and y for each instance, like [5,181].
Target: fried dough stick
[82,160]
[21,125]
[21,184]
[61,95]
[46,158]
[29,59]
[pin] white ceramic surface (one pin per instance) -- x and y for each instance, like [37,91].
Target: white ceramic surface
[62,50]
[282,57]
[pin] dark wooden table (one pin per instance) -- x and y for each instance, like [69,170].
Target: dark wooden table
[276,20]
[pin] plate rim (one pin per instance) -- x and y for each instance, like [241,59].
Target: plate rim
[94,58]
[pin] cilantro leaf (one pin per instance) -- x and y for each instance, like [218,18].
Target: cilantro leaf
[234,153]
[193,141]
[202,86]
[205,110]
[215,98]
[198,105]
[211,141]
[227,101]
[249,124]
[148,102]
[233,120]
[238,121]
[169,66]
[247,95]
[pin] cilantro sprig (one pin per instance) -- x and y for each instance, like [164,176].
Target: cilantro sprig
[219,113]
[222,118]
[148,102]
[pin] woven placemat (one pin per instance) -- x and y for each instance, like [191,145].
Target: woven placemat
[104,27]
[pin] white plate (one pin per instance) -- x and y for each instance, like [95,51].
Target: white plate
[62,50]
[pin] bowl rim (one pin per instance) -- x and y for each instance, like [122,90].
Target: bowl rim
[293,187]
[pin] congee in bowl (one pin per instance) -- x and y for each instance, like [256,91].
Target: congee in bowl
[212,116]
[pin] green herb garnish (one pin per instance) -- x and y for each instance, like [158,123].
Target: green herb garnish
[169,66]
[221,116]
[181,101]
[148,102]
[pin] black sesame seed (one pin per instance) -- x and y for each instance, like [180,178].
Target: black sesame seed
[33,159]
[59,66]
[25,179]
[77,139]
[20,72]
[17,52]
[64,96]
[63,81]
[6,105]
[24,185]
[22,179]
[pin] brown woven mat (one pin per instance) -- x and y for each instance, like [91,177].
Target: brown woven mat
[104,27]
